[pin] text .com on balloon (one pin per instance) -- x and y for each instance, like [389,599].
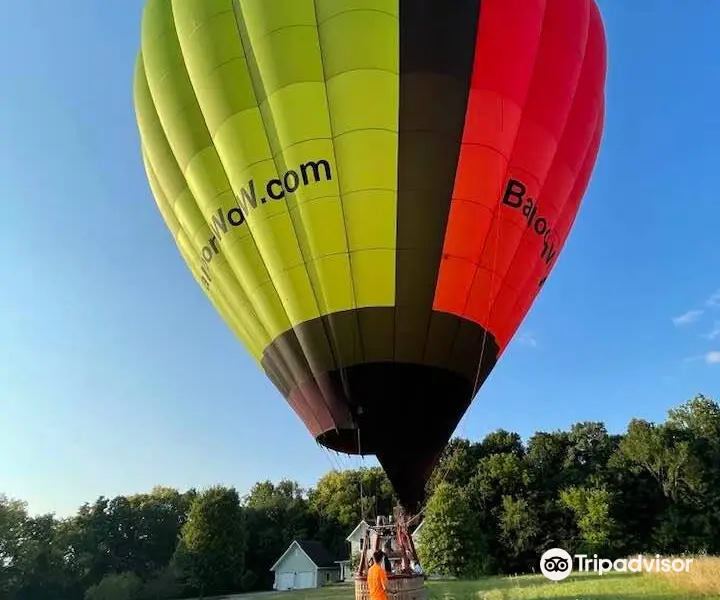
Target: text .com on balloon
[557,564]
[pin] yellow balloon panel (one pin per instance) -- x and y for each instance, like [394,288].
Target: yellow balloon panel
[261,122]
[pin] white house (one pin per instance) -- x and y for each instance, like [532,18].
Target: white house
[305,564]
[356,540]
[357,537]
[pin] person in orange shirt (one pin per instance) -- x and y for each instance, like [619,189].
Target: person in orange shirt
[377,579]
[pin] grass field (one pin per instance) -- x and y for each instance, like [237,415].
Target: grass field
[703,581]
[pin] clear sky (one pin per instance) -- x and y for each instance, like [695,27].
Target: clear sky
[116,374]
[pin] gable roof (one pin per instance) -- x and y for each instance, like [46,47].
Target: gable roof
[354,531]
[315,551]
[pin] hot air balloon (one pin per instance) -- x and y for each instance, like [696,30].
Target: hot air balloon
[372,192]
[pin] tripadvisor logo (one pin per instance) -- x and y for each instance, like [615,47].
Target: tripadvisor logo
[556,564]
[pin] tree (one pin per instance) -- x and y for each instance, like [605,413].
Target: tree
[639,504]
[546,458]
[157,520]
[117,586]
[589,449]
[519,527]
[13,515]
[40,563]
[451,542]
[267,495]
[89,553]
[276,515]
[501,442]
[664,453]
[497,475]
[698,421]
[162,585]
[346,497]
[457,464]
[591,507]
[213,543]
[700,415]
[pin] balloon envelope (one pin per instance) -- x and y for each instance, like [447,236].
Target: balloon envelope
[372,192]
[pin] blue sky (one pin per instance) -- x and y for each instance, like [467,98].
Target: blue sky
[116,374]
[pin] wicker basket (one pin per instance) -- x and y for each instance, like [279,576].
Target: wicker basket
[406,587]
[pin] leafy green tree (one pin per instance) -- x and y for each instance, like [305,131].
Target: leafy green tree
[519,527]
[639,505]
[592,510]
[267,495]
[497,475]
[451,542]
[213,543]
[346,497]
[90,554]
[457,464]
[40,563]
[699,415]
[13,515]
[501,442]
[276,515]
[681,456]
[664,454]
[162,585]
[588,451]
[156,520]
[117,586]
[546,459]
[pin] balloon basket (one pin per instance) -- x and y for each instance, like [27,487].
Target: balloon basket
[405,587]
[392,538]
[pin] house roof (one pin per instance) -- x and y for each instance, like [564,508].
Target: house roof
[359,525]
[315,551]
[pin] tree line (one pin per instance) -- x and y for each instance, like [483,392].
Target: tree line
[493,507]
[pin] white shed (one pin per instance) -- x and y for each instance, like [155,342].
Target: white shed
[305,564]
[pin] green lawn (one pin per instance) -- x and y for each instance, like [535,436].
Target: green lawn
[613,586]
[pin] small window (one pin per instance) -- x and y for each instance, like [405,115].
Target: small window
[327,576]
[361,543]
